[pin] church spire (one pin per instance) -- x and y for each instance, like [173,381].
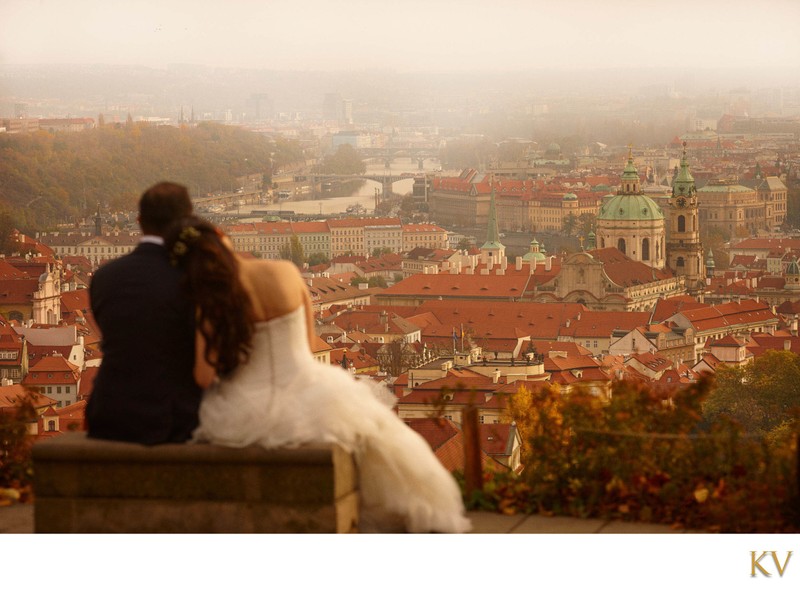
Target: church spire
[492,252]
[630,176]
[492,233]
[683,184]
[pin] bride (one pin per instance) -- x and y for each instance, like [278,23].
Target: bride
[263,386]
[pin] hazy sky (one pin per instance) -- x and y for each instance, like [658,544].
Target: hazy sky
[406,35]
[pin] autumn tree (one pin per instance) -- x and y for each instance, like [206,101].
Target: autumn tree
[569,224]
[293,250]
[761,396]
[317,258]
[586,223]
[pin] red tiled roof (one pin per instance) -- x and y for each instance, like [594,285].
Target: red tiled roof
[75,300]
[496,439]
[61,370]
[626,272]
[13,395]
[436,431]
[729,314]
[72,417]
[600,324]
[652,361]
[498,319]
[461,286]
[729,340]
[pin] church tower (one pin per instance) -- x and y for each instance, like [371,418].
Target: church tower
[684,249]
[492,252]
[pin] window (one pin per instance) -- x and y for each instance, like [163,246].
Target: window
[645,249]
[51,425]
[621,245]
[681,224]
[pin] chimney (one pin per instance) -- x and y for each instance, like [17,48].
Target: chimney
[548,263]
[518,263]
[787,345]
[496,376]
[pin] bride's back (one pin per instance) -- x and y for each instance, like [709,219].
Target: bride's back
[275,287]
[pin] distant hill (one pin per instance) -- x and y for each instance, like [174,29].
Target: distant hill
[48,178]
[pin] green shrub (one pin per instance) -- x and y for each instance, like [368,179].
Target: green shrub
[16,466]
[647,455]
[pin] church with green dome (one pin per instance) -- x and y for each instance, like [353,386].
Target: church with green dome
[632,222]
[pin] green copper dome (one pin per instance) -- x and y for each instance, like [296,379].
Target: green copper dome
[630,204]
[570,196]
[630,207]
[630,172]
[793,269]
[535,255]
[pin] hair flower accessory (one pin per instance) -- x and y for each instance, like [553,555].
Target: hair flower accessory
[189,234]
[186,238]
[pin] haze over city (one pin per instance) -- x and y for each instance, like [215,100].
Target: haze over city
[416,35]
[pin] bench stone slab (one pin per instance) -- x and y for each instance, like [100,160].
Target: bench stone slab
[98,486]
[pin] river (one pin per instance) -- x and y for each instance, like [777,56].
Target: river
[364,196]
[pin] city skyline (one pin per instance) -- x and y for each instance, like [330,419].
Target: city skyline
[415,36]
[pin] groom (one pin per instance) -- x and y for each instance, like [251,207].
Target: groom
[145,390]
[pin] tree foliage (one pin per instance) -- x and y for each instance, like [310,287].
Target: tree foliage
[47,178]
[318,258]
[373,281]
[761,396]
[344,161]
[293,250]
[466,153]
[647,455]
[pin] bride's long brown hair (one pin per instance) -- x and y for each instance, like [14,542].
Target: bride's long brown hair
[211,281]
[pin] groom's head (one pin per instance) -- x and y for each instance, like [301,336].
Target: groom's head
[162,205]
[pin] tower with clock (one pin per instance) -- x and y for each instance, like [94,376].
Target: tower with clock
[684,249]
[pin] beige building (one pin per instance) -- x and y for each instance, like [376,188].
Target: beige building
[773,193]
[424,235]
[315,237]
[520,204]
[732,208]
[607,280]
[97,248]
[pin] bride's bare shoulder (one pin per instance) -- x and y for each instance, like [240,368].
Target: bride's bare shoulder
[272,268]
[275,286]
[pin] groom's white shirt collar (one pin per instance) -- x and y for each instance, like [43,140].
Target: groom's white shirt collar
[151,239]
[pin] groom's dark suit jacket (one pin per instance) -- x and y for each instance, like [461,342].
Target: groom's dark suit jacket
[145,390]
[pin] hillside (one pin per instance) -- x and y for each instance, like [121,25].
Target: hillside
[49,178]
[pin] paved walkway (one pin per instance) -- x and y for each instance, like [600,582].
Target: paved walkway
[18,519]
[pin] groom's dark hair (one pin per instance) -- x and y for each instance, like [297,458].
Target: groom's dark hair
[162,205]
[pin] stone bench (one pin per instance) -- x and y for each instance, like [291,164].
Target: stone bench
[87,485]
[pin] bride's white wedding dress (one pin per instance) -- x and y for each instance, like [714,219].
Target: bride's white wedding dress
[284,397]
